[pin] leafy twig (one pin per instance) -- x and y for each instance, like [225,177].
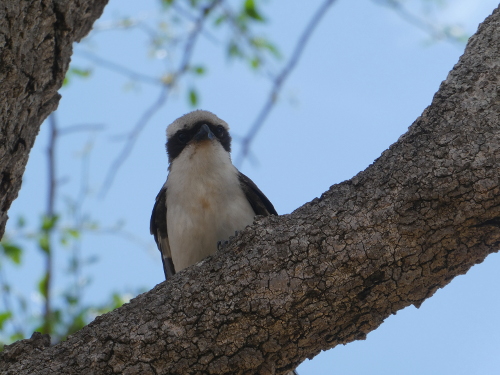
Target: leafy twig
[46,282]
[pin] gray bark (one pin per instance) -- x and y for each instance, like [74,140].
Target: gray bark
[287,287]
[36,40]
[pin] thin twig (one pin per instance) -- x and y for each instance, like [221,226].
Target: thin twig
[80,128]
[117,68]
[427,27]
[132,138]
[79,221]
[125,24]
[127,236]
[279,81]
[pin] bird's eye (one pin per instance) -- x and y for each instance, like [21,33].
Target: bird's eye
[219,131]
[183,137]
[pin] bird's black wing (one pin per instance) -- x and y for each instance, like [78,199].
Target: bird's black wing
[259,202]
[158,228]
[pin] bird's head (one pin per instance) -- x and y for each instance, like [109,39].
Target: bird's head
[194,130]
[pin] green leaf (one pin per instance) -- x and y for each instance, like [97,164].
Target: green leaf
[167,3]
[126,22]
[252,12]
[71,300]
[72,72]
[21,222]
[199,70]
[261,43]
[16,336]
[64,241]
[92,225]
[193,97]
[75,233]
[233,50]
[44,243]
[78,322]
[12,252]
[56,317]
[119,301]
[4,317]
[48,222]
[43,285]
[84,73]
[221,19]
[255,63]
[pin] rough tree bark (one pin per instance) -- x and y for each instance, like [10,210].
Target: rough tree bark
[36,39]
[287,287]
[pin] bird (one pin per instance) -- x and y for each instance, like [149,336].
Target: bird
[205,199]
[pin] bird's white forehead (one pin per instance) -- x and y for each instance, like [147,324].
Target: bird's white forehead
[191,118]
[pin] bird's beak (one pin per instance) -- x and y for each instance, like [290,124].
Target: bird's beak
[204,134]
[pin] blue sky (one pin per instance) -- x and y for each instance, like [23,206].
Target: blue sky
[365,76]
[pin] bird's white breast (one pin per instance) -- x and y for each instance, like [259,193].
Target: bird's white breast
[205,202]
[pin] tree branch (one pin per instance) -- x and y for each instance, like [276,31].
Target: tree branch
[287,287]
[36,41]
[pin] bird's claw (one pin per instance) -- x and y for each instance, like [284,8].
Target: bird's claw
[221,244]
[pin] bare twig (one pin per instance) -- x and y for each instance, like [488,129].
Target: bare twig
[132,138]
[160,101]
[125,24]
[128,236]
[121,69]
[80,128]
[279,81]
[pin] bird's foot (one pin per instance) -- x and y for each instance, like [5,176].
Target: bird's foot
[221,244]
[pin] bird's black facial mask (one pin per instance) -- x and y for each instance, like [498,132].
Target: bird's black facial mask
[198,132]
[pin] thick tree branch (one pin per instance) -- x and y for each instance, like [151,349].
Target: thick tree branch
[36,40]
[287,287]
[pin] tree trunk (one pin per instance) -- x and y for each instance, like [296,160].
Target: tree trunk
[36,39]
[287,287]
